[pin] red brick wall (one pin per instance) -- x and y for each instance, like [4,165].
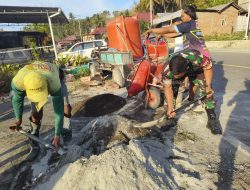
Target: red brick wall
[218,23]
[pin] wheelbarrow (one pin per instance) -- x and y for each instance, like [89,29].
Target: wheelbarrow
[147,76]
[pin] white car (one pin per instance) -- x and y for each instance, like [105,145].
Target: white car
[84,48]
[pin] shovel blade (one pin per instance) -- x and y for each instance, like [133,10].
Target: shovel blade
[158,122]
[42,142]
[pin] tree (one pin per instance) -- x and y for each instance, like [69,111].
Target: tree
[144,26]
[144,5]
[37,28]
[71,16]
[98,21]
[160,6]
[202,4]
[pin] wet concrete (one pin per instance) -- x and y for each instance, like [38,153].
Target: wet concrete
[101,105]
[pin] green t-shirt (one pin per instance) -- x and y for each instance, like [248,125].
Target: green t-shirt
[196,62]
[51,73]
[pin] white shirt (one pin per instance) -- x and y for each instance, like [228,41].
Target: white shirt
[178,44]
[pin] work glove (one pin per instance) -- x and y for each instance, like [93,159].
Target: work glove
[67,110]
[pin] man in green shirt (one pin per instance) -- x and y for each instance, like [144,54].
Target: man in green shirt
[37,81]
[198,68]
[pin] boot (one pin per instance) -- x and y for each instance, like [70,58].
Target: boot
[34,146]
[212,123]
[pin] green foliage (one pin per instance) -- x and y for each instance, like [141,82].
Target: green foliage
[160,6]
[222,37]
[144,5]
[74,60]
[82,72]
[79,71]
[78,60]
[5,81]
[122,13]
[63,61]
[144,26]
[37,28]
[35,54]
[203,4]
[10,69]
[7,72]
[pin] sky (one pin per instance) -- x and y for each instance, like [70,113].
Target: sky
[80,8]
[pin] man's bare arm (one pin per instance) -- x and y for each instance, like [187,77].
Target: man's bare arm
[170,35]
[208,74]
[162,30]
[169,96]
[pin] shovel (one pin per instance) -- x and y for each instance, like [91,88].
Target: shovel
[40,141]
[163,119]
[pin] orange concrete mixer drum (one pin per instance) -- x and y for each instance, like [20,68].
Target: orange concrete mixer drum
[124,35]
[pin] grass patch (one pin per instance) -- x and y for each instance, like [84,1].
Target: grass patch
[225,37]
[7,72]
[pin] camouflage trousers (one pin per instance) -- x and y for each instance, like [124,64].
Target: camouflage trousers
[197,83]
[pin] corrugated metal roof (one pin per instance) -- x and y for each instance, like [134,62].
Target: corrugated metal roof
[17,14]
[222,7]
[166,17]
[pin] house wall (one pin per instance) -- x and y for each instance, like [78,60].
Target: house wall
[218,23]
[241,23]
[244,4]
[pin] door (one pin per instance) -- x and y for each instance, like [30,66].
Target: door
[77,49]
[87,49]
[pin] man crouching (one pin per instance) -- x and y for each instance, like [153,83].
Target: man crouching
[198,68]
[37,81]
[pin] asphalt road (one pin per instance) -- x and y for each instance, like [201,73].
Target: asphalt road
[232,87]
[232,57]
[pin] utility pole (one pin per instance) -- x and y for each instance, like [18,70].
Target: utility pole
[247,25]
[51,30]
[78,18]
[80,30]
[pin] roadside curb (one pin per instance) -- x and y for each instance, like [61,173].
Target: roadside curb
[230,50]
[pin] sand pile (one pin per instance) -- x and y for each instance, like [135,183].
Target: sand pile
[118,156]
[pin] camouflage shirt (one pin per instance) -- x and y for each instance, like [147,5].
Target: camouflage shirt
[196,64]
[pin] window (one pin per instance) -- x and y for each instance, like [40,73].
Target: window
[223,21]
[98,44]
[77,47]
[88,45]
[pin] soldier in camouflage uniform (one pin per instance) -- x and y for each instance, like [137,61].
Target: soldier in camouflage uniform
[198,68]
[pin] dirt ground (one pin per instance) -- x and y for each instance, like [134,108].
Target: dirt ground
[115,155]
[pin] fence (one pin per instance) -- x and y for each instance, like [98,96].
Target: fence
[22,56]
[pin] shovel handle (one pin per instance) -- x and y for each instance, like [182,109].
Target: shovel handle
[37,139]
[189,103]
[157,121]
[40,141]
